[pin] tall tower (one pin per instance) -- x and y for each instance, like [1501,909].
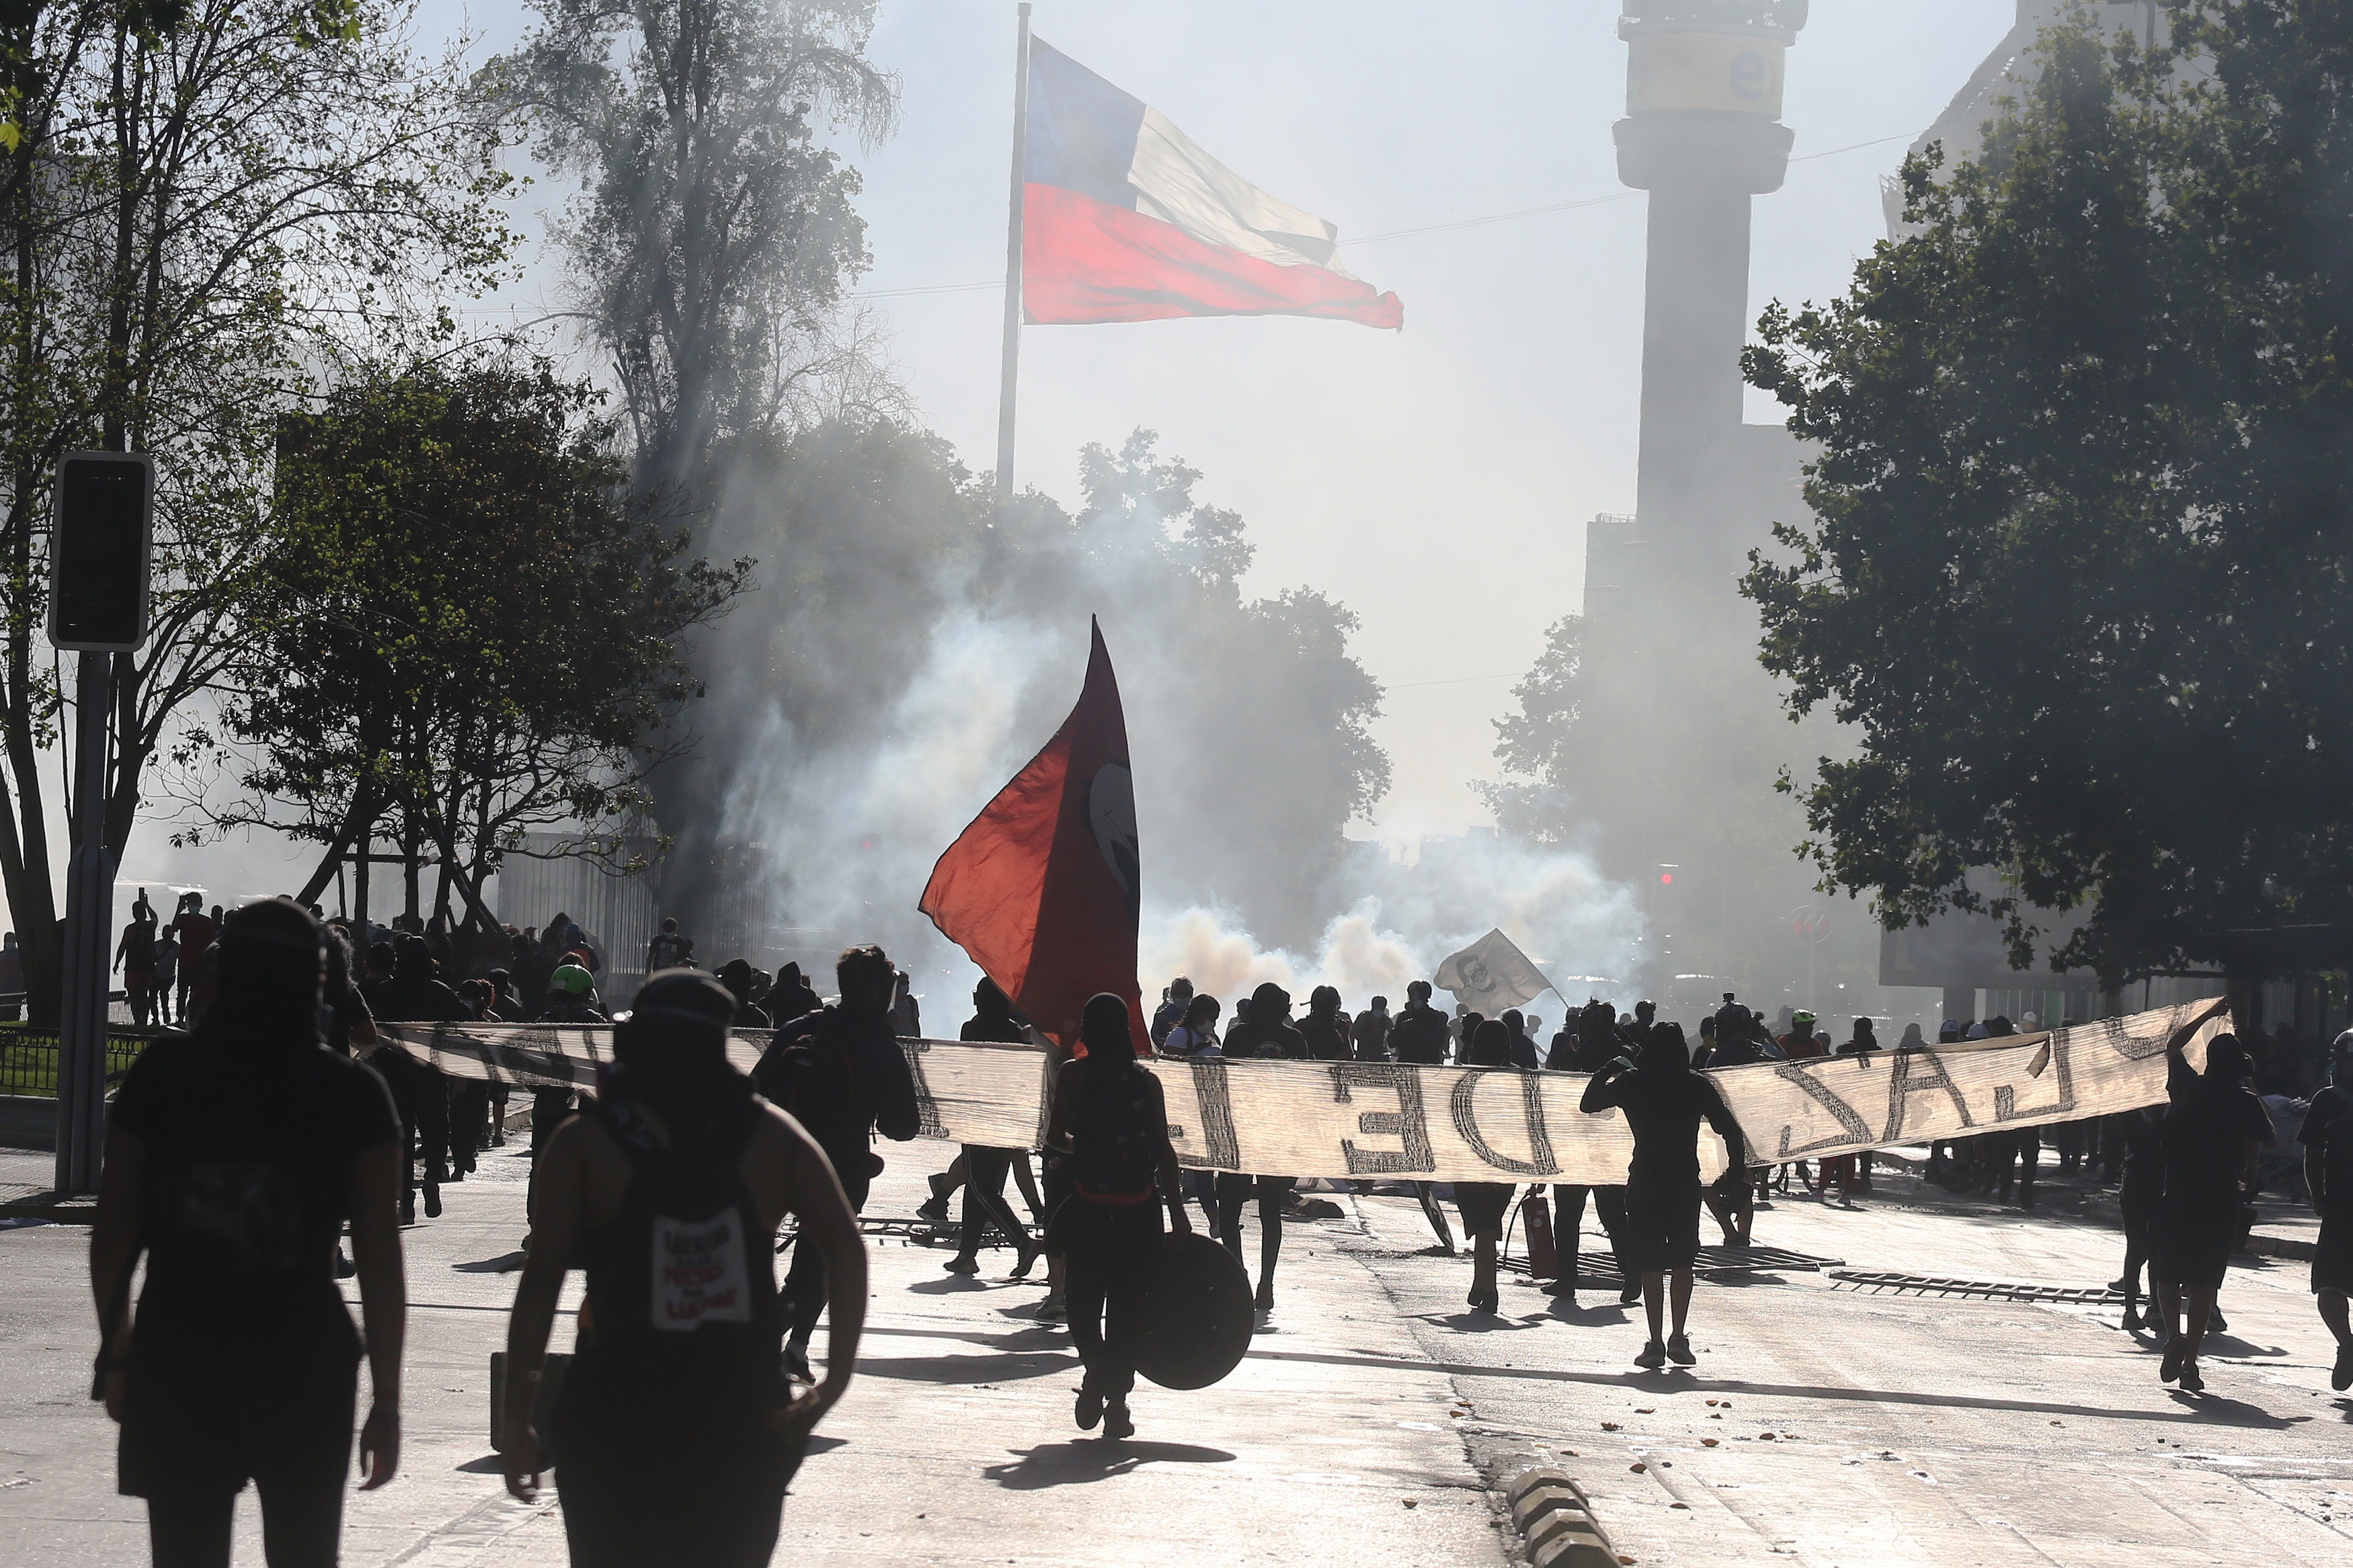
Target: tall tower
[1703,133]
[1680,734]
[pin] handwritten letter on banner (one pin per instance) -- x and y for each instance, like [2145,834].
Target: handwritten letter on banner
[1448,1124]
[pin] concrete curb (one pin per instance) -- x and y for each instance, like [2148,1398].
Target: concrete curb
[1555,1521]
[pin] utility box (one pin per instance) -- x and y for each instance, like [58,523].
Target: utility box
[102,534]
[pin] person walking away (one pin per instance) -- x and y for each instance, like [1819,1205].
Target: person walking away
[676,1432]
[134,955]
[1420,1038]
[1174,1002]
[669,949]
[841,1074]
[1597,1045]
[1732,1196]
[1843,1168]
[1371,1033]
[163,986]
[986,1169]
[1664,1102]
[234,1155]
[1483,1205]
[906,1013]
[791,997]
[2327,1139]
[1324,1029]
[2140,1196]
[573,1006]
[1195,1038]
[1112,1120]
[195,931]
[735,974]
[413,995]
[2214,1130]
[1267,1034]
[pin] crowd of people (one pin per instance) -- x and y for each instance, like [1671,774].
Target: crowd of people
[247,1145]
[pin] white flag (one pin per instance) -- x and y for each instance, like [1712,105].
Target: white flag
[1492,974]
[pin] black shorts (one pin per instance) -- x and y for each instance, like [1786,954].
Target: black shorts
[2193,1245]
[1482,1205]
[1662,1230]
[2332,1257]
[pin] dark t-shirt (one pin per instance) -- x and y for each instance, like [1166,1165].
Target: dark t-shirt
[248,1184]
[350,1010]
[843,1080]
[2206,1130]
[409,999]
[1274,1041]
[2328,1128]
[1663,1110]
[1325,1040]
[1420,1036]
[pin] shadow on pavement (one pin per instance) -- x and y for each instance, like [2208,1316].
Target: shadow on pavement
[505,1263]
[1065,1464]
[1010,1367]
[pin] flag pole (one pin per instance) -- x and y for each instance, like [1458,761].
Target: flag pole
[1012,363]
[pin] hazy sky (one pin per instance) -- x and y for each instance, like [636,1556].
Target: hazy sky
[1438,479]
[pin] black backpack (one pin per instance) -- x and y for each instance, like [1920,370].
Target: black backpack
[1116,1130]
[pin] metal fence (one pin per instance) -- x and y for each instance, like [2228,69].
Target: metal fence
[28,1057]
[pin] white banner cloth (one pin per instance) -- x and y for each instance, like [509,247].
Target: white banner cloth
[1461,1124]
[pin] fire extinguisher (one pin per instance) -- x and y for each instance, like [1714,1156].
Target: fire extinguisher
[1544,1263]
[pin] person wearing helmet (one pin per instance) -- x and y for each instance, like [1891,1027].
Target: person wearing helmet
[2327,1139]
[1267,1033]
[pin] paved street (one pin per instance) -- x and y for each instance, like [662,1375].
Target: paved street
[1374,1413]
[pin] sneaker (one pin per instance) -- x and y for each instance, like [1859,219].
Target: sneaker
[934,1209]
[796,1367]
[1030,1256]
[432,1200]
[1654,1356]
[1678,1350]
[2216,1323]
[1052,1309]
[2341,1378]
[2190,1381]
[1266,1297]
[408,1208]
[961,1264]
[1630,1294]
[1118,1424]
[1088,1412]
[2170,1367]
[345,1266]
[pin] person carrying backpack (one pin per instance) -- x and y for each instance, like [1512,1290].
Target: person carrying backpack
[234,1155]
[1112,1121]
[676,1431]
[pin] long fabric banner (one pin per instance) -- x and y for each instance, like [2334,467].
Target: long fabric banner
[1461,1124]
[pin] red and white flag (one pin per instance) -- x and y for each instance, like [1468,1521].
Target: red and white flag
[1042,891]
[1126,219]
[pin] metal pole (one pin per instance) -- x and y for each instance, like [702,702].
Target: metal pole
[89,914]
[1012,361]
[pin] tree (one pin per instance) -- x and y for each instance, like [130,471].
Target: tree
[714,232]
[467,628]
[203,204]
[2081,565]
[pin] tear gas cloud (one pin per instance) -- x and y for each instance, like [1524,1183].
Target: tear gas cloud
[849,733]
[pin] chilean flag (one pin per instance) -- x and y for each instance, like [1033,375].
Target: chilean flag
[1123,218]
[1042,891]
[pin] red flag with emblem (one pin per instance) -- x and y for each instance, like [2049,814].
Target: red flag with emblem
[1041,891]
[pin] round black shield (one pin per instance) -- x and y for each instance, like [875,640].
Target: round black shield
[1197,1316]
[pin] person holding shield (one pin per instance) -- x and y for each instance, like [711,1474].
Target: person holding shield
[1110,1122]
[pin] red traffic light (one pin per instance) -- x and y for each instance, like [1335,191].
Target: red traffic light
[1666,879]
